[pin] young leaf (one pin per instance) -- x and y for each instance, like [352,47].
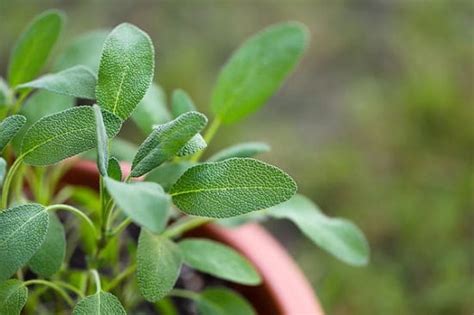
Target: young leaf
[247,149]
[145,203]
[257,70]
[22,232]
[62,135]
[34,46]
[165,141]
[101,303]
[337,236]
[221,301]
[13,296]
[84,50]
[3,170]
[114,170]
[218,260]
[9,127]
[151,110]
[102,142]
[231,187]
[77,81]
[181,103]
[50,256]
[197,143]
[158,265]
[126,70]
[167,174]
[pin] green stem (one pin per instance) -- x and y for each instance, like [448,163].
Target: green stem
[122,276]
[185,294]
[121,227]
[53,286]
[75,211]
[19,101]
[185,225]
[8,181]
[96,276]
[70,288]
[210,133]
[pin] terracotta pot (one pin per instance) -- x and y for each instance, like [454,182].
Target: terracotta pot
[284,289]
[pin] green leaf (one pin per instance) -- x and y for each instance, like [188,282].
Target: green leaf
[152,109]
[50,256]
[126,70]
[84,50]
[166,141]
[102,142]
[218,260]
[197,143]
[339,237]
[3,170]
[77,81]
[114,170]
[34,46]
[62,135]
[231,187]
[181,103]
[9,127]
[101,303]
[13,296]
[22,232]
[158,265]
[145,203]
[257,69]
[221,301]
[167,174]
[247,149]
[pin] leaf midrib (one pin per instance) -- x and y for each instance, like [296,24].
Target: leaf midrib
[21,226]
[192,191]
[119,90]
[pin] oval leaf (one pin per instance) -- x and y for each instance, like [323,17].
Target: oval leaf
[151,110]
[114,170]
[257,70]
[231,187]
[34,46]
[145,203]
[126,70]
[77,81]
[242,150]
[13,296]
[102,142]
[22,232]
[218,260]
[158,265]
[181,103]
[166,141]
[9,127]
[101,303]
[221,301]
[196,144]
[64,134]
[337,236]
[50,256]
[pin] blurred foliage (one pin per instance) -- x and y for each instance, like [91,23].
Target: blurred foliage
[377,125]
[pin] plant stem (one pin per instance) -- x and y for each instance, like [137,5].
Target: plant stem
[8,181]
[185,294]
[77,212]
[210,133]
[70,288]
[182,226]
[121,227]
[96,280]
[53,286]
[19,101]
[122,276]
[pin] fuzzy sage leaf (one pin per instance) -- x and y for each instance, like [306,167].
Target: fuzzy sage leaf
[32,49]
[9,127]
[339,237]
[257,69]
[247,149]
[158,265]
[167,174]
[166,141]
[22,232]
[77,81]
[102,142]
[231,187]
[145,203]
[126,70]
[3,170]
[64,134]
[13,296]
[100,303]
[151,110]
[218,260]
[222,301]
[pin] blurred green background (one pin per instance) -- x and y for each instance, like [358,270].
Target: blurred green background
[376,125]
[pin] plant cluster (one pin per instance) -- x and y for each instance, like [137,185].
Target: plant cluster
[167,191]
